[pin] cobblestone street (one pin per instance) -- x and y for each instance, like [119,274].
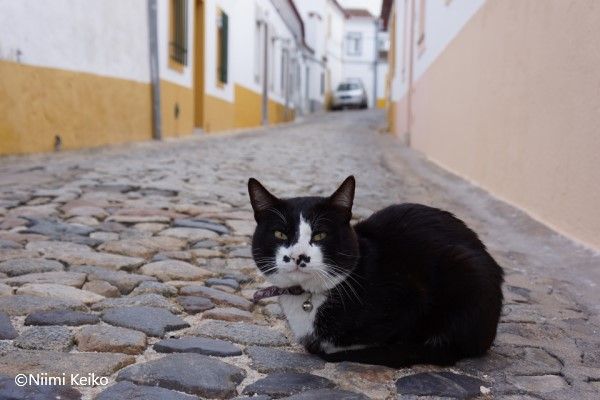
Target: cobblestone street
[133,263]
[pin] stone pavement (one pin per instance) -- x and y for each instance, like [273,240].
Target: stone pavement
[133,263]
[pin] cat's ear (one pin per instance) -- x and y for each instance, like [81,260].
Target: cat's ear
[343,197]
[260,198]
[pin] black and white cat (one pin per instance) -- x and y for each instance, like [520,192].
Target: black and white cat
[410,284]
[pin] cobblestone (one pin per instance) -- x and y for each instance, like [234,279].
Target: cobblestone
[162,230]
[209,347]
[150,320]
[127,390]
[110,338]
[240,332]
[287,383]
[74,279]
[10,390]
[217,296]
[190,373]
[7,330]
[22,266]
[61,317]
[57,338]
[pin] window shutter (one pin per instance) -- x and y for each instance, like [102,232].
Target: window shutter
[224,46]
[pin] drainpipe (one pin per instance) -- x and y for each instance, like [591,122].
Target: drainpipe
[154,76]
[375,61]
[411,50]
[265,88]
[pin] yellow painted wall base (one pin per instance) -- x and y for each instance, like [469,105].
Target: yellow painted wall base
[392,117]
[219,114]
[248,107]
[381,102]
[85,110]
[172,97]
[278,113]
[244,112]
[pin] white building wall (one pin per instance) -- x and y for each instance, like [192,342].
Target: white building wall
[242,46]
[362,65]
[444,21]
[335,42]
[108,38]
[382,70]
[399,84]
[211,10]
[314,13]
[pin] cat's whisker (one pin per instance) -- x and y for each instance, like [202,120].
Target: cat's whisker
[278,213]
[348,280]
[347,255]
[334,287]
[338,270]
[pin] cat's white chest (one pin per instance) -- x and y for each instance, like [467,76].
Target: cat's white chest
[301,322]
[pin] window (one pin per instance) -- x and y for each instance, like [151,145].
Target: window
[178,34]
[222,46]
[345,87]
[354,44]
[383,46]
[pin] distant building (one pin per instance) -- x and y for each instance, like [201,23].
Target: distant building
[81,74]
[348,44]
[504,93]
[324,21]
[365,53]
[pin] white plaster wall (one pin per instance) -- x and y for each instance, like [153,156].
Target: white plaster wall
[366,28]
[335,43]
[185,77]
[241,66]
[382,70]
[211,7]
[108,37]
[399,84]
[314,26]
[285,39]
[361,66]
[443,22]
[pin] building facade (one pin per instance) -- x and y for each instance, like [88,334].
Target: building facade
[505,94]
[360,51]
[324,21]
[79,74]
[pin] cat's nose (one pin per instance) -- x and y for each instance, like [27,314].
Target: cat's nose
[302,260]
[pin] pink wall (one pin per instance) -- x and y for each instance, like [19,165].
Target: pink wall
[513,104]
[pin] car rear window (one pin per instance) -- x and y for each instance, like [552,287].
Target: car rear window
[347,86]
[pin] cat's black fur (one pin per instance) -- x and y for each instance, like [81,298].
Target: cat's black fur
[421,287]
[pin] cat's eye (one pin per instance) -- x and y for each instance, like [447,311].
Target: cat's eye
[280,235]
[319,236]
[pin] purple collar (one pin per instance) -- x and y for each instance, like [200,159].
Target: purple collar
[272,291]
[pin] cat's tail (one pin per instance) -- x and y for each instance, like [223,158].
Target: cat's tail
[399,355]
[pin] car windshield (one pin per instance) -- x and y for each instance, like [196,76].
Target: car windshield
[342,87]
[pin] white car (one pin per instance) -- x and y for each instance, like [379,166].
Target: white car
[349,94]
